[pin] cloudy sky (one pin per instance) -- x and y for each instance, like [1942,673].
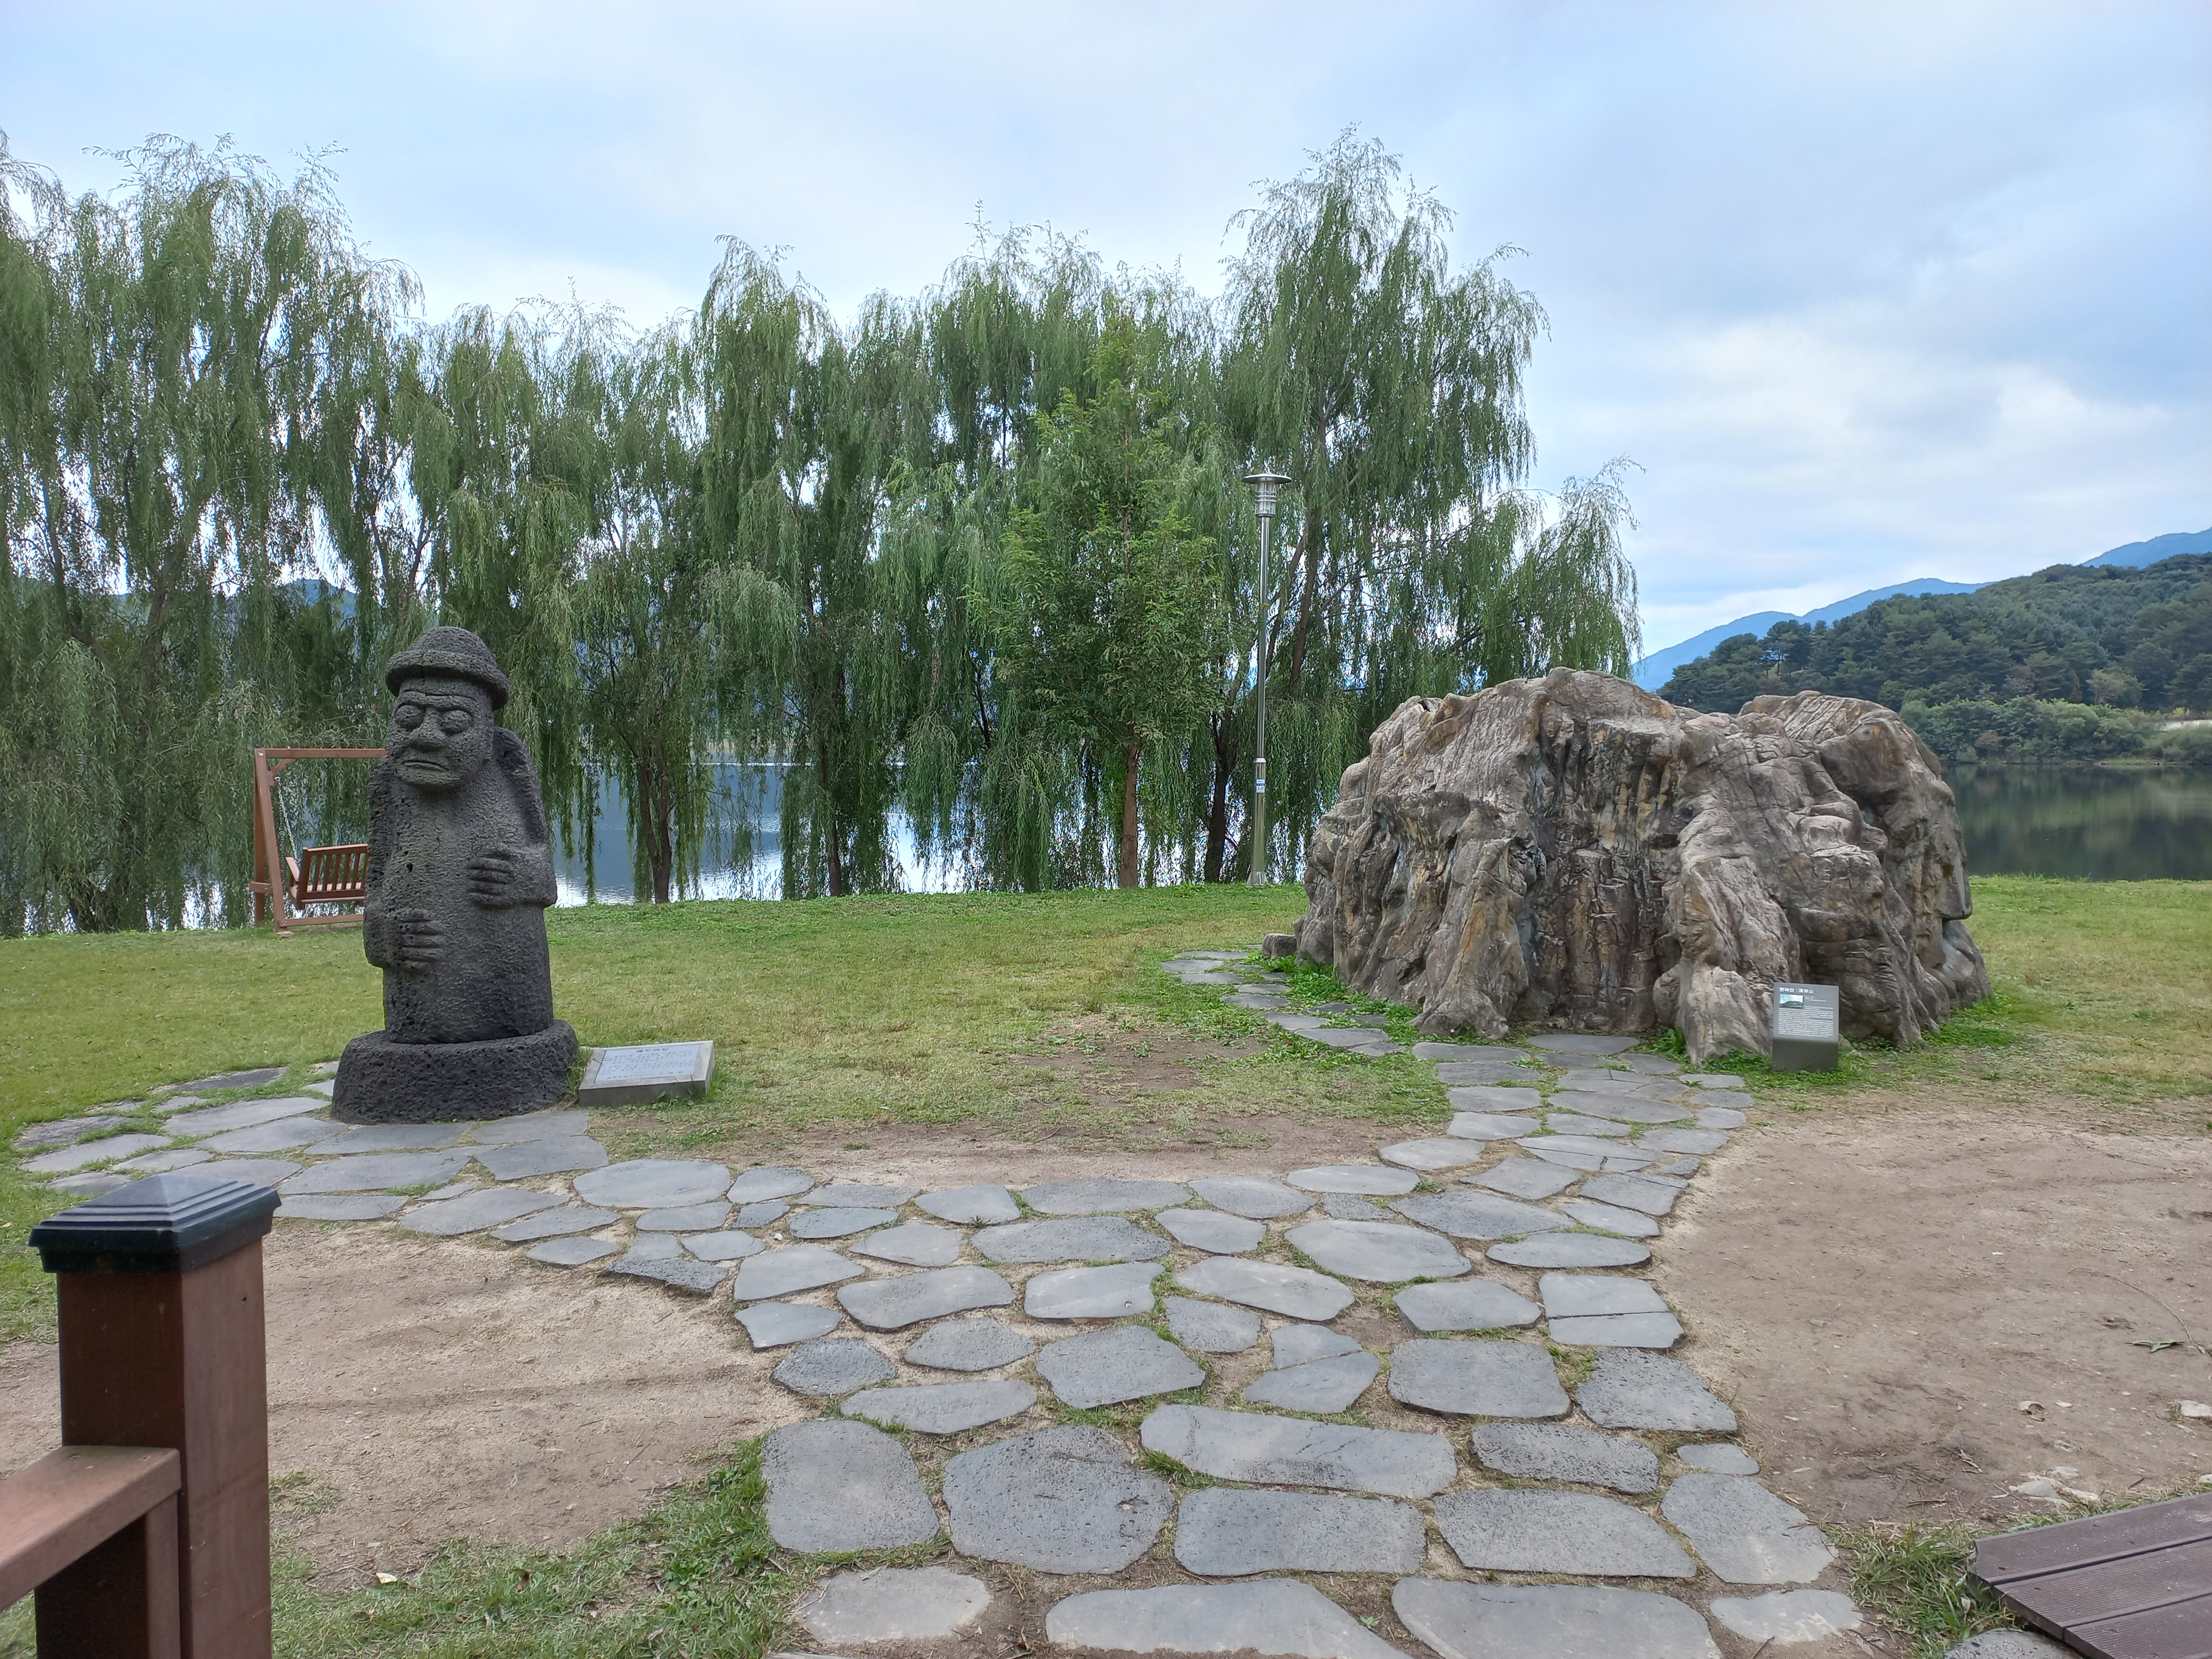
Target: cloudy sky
[1867,291]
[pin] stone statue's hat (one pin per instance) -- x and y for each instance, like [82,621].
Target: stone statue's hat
[449,651]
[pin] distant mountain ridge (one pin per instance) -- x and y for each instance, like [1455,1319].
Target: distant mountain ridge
[1653,670]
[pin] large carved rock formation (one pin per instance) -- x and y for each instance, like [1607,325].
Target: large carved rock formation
[1574,852]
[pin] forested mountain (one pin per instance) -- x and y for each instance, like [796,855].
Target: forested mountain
[2115,636]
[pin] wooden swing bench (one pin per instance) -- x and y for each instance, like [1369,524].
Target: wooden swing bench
[319,875]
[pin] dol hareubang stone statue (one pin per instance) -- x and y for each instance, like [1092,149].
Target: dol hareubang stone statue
[460,871]
[1571,852]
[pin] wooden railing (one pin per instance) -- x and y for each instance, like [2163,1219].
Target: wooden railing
[147,1533]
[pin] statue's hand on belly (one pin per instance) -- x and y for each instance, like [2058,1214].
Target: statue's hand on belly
[497,877]
[417,939]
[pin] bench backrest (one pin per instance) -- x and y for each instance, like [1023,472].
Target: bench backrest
[331,875]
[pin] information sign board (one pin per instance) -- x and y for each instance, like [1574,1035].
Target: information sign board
[1807,1035]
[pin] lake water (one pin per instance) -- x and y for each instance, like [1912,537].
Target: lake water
[2098,822]
[2102,823]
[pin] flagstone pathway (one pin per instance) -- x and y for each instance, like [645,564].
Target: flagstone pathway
[1443,1366]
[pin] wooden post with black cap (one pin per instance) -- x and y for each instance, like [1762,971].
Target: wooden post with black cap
[162,1344]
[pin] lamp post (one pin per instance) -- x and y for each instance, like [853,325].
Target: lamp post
[1264,486]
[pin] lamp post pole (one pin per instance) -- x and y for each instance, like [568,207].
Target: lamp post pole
[1264,486]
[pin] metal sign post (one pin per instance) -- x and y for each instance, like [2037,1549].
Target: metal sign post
[1264,486]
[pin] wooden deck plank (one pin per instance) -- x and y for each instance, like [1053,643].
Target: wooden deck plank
[2182,1630]
[58,1508]
[2108,1590]
[2134,1584]
[2096,1538]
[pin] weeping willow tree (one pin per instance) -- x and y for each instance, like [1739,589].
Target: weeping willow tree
[1387,387]
[174,358]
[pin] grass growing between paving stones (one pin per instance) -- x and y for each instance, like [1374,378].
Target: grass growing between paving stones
[1915,1579]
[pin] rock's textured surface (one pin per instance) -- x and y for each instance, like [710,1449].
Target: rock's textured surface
[1291,1451]
[1746,1534]
[1077,1238]
[1573,851]
[1225,1533]
[939,1408]
[1272,1616]
[1294,1292]
[1103,1368]
[893,1604]
[887,1305]
[1322,1386]
[1377,1252]
[838,1365]
[1210,1328]
[1474,1305]
[1260,1197]
[978,1344]
[839,1486]
[1643,1391]
[1549,1621]
[1556,1451]
[1476,1379]
[1575,1532]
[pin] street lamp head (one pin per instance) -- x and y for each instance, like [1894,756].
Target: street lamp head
[1264,486]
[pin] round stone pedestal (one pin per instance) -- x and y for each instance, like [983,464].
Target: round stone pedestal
[380,1081]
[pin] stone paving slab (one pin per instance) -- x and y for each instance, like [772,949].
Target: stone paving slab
[1104,1368]
[254,1171]
[243,1113]
[1499,1051]
[1436,1153]
[1785,1617]
[1683,1167]
[1349,1206]
[1470,1305]
[1573,1295]
[1714,1079]
[1225,1533]
[2009,1645]
[780,1324]
[1366,1180]
[1294,1345]
[165,1103]
[653,1183]
[1213,1231]
[1260,1198]
[1490,1126]
[1557,1451]
[835,1366]
[970,1205]
[1377,1252]
[1272,1616]
[1644,1391]
[575,1250]
[655,1247]
[1292,1451]
[1478,1215]
[91,1185]
[1717,1457]
[1066,1499]
[836,1486]
[1719,1117]
[1576,1123]
[1587,1153]
[796,1267]
[768,1181]
[339,1206]
[1745,1532]
[1095,1196]
[1294,1292]
[552,1223]
[1484,1074]
[1549,1621]
[685,1219]
[161,1163]
[1653,1195]
[978,1344]
[859,1195]
[839,1221]
[1495,1097]
[1476,1379]
[1610,1218]
[1626,1109]
[64,1131]
[1580,1042]
[477,1211]
[1530,1178]
[893,1303]
[1558,1532]
[1073,1238]
[761,1212]
[1647,1330]
[1210,1328]
[678,1273]
[337,1140]
[87,1152]
[1090,1293]
[722,1246]
[284,1134]
[256,1076]
[1322,1386]
[1700,1142]
[552,1156]
[374,1171]
[893,1604]
[916,1244]
[1649,1065]
[1570,1250]
[563,1124]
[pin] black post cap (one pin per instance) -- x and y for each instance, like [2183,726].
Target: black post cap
[165,1224]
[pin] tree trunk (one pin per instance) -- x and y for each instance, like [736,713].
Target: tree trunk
[1126,875]
[1308,598]
[1216,816]
[832,842]
[653,814]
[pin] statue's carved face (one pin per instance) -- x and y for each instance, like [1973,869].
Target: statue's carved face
[440,733]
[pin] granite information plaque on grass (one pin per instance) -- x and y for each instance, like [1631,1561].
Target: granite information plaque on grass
[632,1076]
[1805,1034]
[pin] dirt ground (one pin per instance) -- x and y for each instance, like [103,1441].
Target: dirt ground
[1876,1288]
